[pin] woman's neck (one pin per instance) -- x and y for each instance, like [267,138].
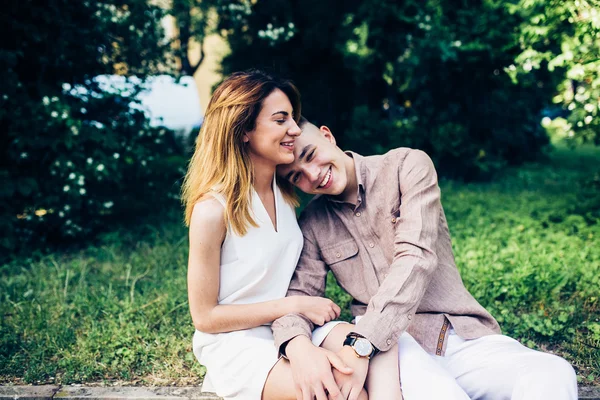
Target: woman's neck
[263,176]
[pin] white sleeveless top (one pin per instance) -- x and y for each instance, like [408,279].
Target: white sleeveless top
[259,265]
[256,267]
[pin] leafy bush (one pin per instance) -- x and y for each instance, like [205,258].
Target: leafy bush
[90,162]
[563,38]
[439,67]
[73,157]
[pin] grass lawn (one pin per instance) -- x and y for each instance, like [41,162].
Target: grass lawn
[527,245]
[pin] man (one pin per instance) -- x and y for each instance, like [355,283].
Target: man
[379,226]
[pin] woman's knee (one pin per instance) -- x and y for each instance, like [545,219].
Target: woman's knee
[280,383]
[335,339]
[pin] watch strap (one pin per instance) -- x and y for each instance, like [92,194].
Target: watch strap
[349,341]
[352,337]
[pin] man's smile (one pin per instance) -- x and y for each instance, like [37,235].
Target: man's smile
[327,181]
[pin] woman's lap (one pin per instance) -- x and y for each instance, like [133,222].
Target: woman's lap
[280,382]
[238,363]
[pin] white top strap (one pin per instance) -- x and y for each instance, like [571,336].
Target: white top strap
[219,197]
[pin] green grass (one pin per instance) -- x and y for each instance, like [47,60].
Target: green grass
[528,248]
[527,245]
[115,311]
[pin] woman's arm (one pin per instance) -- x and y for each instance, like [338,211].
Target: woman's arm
[207,233]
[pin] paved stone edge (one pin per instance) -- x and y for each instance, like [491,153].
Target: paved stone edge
[42,392]
[52,392]
[589,393]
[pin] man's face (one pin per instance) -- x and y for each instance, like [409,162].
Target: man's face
[319,165]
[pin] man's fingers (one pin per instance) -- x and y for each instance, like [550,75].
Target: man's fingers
[307,393]
[332,388]
[354,393]
[338,364]
[345,391]
[320,393]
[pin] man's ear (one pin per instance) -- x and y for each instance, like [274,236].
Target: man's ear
[327,134]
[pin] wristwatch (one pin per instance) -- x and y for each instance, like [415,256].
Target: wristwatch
[361,345]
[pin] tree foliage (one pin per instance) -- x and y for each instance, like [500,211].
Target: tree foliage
[427,74]
[195,19]
[299,40]
[563,37]
[438,69]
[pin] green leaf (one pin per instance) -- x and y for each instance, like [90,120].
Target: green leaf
[26,186]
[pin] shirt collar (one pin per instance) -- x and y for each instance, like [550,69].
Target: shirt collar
[360,169]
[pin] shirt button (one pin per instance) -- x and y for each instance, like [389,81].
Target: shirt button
[394,220]
[338,255]
[371,244]
[357,214]
[389,341]
[409,316]
[385,275]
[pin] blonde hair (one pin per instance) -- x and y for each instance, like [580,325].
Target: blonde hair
[221,161]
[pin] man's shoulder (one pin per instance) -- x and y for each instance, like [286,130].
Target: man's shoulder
[394,160]
[398,152]
[393,157]
[316,210]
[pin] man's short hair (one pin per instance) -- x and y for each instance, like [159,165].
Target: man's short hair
[303,121]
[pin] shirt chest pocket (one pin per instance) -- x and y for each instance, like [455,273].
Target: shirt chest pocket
[345,263]
[339,252]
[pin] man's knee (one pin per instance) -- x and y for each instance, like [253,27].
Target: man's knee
[551,371]
[559,369]
[551,377]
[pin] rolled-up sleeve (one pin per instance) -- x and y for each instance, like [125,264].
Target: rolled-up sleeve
[309,279]
[391,310]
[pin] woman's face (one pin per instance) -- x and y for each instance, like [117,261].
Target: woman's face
[272,140]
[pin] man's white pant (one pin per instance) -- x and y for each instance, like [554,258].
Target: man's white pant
[493,367]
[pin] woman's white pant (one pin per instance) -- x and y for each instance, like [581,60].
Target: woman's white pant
[492,367]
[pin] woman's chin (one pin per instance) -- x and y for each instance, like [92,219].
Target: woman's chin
[286,159]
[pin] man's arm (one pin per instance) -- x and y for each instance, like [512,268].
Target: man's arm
[311,366]
[390,311]
[309,279]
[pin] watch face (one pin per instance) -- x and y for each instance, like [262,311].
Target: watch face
[363,347]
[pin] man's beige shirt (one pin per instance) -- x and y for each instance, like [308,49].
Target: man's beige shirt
[392,253]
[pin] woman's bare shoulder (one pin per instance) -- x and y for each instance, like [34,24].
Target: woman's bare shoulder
[208,214]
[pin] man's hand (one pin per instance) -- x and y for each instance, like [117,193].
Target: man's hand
[351,384]
[312,370]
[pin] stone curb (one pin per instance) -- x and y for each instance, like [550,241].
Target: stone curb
[43,392]
[51,392]
[589,393]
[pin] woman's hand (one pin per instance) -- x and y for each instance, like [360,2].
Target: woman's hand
[318,309]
